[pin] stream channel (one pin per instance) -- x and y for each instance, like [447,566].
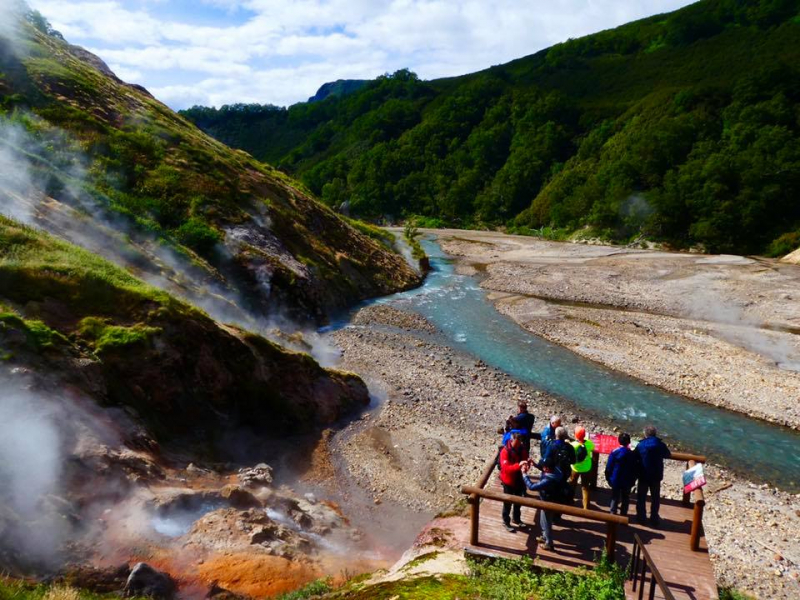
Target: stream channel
[469,323]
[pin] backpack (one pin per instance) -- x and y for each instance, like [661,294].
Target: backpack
[580,453]
[563,459]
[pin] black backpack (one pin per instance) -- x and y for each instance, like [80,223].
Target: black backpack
[580,453]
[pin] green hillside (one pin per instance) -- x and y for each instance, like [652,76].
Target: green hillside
[681,128]
[70,318]
[88,146]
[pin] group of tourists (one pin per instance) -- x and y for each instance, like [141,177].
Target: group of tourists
[564,462]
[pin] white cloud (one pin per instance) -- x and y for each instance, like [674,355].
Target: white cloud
[281,51]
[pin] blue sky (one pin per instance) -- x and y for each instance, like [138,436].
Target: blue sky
[216,52]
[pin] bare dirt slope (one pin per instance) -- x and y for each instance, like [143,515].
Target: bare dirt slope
[721,329]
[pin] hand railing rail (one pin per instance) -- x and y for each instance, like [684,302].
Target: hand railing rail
[476,494]
[641,563]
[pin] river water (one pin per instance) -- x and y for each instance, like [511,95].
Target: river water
[469,323]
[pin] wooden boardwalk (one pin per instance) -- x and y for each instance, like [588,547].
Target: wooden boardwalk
[579,542]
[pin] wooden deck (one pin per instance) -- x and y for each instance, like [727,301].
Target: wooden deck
[579,542]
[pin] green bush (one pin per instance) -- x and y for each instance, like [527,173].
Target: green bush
[39,336]
[727,593]
[783,245]
[198,235]
[505,579]
[104,336]
[315,588]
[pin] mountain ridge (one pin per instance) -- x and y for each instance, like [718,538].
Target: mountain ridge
[562,142]
[340,87]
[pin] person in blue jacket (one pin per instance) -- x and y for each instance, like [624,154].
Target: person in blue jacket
[650,454]
[621,475]
[549,434]
[512,427]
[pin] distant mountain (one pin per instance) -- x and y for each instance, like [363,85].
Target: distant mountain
[681,128]
[340,87]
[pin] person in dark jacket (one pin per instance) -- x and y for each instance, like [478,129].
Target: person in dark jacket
[621,475]
[525,421]
[551,488]
[559,454]
[650,454]
[549,434]
[511,457]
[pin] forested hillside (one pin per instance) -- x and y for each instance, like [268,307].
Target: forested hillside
[682,128]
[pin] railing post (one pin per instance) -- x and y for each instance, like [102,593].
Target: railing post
[475,515]
[697,524]
[641,584]
[652,587]
[687,495]
[611,541]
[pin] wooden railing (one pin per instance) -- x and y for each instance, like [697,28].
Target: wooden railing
[477,493]
[474,498]
[699,499]
[639,567]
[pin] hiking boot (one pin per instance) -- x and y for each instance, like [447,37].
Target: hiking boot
[518,523]
[545,544]
[509,527]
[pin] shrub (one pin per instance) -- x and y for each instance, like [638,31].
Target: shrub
[783,245]
[315,588]
[198,235]
[104,336]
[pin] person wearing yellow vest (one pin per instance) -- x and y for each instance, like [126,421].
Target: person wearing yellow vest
[583,452]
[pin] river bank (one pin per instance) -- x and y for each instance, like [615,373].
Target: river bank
[438,423]
[719,329]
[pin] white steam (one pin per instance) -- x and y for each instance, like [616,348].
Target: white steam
[15,180]
[31,461]
[401,246]
[29,451]
[11,12]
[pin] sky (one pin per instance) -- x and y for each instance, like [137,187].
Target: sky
[215,52]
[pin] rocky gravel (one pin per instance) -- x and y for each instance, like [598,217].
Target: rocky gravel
[437,427]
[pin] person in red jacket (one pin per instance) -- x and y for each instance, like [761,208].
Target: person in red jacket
[511,457]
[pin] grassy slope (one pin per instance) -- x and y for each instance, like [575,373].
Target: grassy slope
[168,179]
[78,319]
[561,138]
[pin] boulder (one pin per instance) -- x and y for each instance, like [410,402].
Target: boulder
[102,580]
[792,258]
[144,580]
[238,497]
[258,476]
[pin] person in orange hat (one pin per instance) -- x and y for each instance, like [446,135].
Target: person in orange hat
[584,449]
